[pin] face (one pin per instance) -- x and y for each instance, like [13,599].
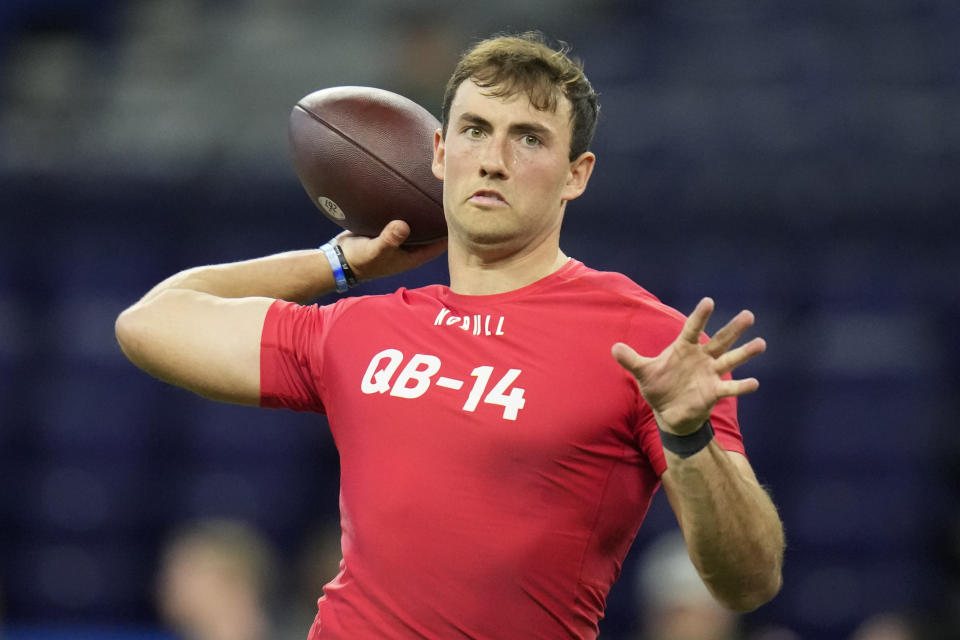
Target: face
[506,169]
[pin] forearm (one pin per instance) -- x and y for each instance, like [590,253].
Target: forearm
[201,328]
[298,276]
[731,526]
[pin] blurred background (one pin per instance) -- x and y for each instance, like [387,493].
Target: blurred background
[797,159]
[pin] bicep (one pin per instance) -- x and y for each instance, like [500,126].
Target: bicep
[203,343]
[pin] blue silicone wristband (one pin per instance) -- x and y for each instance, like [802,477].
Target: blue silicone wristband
[338,276]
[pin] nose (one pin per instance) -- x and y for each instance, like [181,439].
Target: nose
[493,161]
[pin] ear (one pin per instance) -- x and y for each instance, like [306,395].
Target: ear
[438,154]
[580,170]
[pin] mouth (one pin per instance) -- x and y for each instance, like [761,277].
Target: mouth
[488,198]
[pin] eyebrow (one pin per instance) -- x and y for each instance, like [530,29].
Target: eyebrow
[518,127]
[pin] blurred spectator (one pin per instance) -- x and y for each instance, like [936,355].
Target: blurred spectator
[427,46]
[885,626]
[674,603]
[214,582]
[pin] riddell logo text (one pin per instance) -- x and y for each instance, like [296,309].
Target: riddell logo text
[478,325]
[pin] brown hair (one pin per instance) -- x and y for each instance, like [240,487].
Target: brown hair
[511,64]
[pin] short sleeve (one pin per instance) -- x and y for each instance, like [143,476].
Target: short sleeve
[291,346]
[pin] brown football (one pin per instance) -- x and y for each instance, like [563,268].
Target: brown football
[363,156]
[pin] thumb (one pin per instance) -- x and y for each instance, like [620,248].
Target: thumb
[628,358]
[395,233]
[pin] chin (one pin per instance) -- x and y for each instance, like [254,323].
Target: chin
[491,238]
[483,235]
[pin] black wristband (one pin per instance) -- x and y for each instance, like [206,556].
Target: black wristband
[347,271]
[686,446]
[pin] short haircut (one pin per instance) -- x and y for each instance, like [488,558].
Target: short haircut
[510,64]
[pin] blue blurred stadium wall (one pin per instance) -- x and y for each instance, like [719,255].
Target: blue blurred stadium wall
[798,159]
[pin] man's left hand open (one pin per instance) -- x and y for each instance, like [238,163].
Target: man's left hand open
[685,381]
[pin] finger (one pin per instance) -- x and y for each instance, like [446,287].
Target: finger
[628,358]
[697,322]
[395,233]
[730,333]
[343,235]
[361,250]
[726,388]
[733,359]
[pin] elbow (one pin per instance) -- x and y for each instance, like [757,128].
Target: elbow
[124,330]
[129,330]
[754,595]
[136,330]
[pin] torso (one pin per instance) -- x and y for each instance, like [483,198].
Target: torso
[496,462]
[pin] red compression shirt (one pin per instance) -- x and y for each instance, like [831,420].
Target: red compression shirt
[496,461]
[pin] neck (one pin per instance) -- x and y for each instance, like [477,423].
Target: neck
[486,272]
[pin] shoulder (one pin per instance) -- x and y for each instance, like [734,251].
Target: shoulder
[577,274]
[401,298]
[651,322]
[347,318]
[370,308]
[617,287]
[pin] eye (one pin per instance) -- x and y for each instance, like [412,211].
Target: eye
[474,132]
[531,140]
